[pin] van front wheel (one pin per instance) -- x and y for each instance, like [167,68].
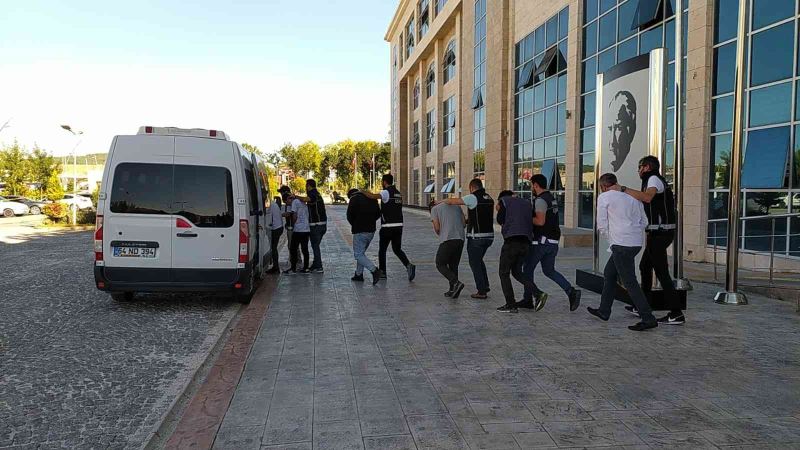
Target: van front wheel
[122,296]
[246,297]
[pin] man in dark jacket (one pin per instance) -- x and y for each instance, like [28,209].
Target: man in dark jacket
[514,215]
[362,213]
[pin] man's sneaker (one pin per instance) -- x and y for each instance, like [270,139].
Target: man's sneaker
[479,296]
[508,309]
[412,272]
[525,304]
[290,272]
[382,274]
[632,310]
[669,319]
[574,299]
[304,272]
[357,277]
[541,299]
[642,326]
[457,288]
[448,294]
[376,276]
[596,312]
[318,270]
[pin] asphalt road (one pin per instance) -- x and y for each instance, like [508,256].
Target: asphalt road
[78,370]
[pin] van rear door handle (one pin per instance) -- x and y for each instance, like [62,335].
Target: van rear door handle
[187,235]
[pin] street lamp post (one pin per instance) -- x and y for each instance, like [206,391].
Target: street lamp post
[74,206]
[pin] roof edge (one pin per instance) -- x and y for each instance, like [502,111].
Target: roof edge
[395,20]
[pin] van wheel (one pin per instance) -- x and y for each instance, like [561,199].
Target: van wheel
[248,296]
[122,296]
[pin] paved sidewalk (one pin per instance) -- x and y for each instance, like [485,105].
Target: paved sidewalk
[339,365]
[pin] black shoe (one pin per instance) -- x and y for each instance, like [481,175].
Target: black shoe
[448,293]
[412,272]
[525,304]
[357,277]
[632,310]
[669,319]
[641,326]
[541,299]
[596,312]
[457,288]
[304,272]
[508,309]
[318,270]
[290,272]
[376,276]
[574,299]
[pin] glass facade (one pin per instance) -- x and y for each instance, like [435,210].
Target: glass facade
[479,92]
[415,198]
[415,139]
[540,106]
[430,132]
[449,65]
[611,34]
[771,164]
[449,121]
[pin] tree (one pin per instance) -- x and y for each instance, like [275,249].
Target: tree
[54,191]
[15,169]
[42,165]
[253,149]
[303,159]
[298,185]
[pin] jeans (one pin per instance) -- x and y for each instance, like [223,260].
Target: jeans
[476,250]
[655,259]
[361,243]
[546,255]
[317,231]
[622,265]
[393,236]
[276,238]
[299,239]
[512,256]
[447,258]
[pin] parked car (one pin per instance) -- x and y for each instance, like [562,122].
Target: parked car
[35,206]
[181,211]
[77,201]
[11,209]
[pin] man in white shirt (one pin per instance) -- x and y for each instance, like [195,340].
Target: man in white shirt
[276,227]
[621,218]
[300,236]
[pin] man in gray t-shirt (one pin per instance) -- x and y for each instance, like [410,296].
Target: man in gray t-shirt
[448,224]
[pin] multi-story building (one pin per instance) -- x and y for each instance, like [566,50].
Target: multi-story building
[502,89]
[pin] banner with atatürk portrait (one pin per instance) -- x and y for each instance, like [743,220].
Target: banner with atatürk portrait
[630,123]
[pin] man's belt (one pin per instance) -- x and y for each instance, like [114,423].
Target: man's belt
[317,224]
[661,227]
[391,225]
[544,240]
[480,235]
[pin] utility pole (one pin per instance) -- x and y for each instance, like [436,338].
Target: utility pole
[74,206]
[680,282]
[5,125]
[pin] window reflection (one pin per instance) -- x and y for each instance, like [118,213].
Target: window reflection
[770,105]
[773,52]
[766,158]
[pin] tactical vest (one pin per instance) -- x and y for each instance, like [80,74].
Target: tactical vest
[481,223]
[661,210]
[316,210]
[392,211]
[550,232]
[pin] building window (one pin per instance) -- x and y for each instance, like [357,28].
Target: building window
[415,199]
[449,121]
[613,34]
[540,107]
[440,5]
[771,168]
[424,18]
[415,95]
[430,131]
[430,184]
[448,179]
[410,41]
[449,65]
[415,139]
[430,81]
[479,92]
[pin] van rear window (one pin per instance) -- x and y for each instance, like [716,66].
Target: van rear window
[202,194]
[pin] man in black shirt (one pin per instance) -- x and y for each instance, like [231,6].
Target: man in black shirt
[362,213]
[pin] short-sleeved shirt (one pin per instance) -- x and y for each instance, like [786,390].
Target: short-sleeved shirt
[301,225]
[539,205]
[451,222]
[385,196]
[470,201]
[655,182]
[277,218]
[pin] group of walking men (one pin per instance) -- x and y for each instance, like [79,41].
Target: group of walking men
[530,231]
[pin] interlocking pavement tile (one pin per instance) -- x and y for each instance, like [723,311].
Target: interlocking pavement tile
[238,438]
[538,439]
[766,430]
[688,440]
[285,426]
[514,427]
[436,432]
[495,441]
[557,410]
[332,406]
[591,434]
[404,442]
[684,419]
[248,409]
[500,412]
[296,446]
[345,435]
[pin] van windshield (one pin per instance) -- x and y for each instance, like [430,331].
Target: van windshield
[201,194]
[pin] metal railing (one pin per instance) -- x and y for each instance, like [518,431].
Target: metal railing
[786,237]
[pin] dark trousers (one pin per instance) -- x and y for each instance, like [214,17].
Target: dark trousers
[276,238]
[654,259]
[393,236]
[476,250]
[622,266]
[512,256]
[546,255]
[299,240]
[447,258]
[317,232]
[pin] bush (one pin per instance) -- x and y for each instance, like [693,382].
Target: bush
[56,212]
[86,217]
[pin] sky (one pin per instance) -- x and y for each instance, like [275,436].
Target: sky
[264,71]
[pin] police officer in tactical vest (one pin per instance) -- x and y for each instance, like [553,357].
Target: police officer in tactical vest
[659,206]
[480,232]
[544,247]
[391,225]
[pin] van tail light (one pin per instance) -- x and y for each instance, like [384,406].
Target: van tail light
[212,133]
[244,241]
[98,239]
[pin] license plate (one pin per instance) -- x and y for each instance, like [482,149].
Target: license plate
[134,252]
